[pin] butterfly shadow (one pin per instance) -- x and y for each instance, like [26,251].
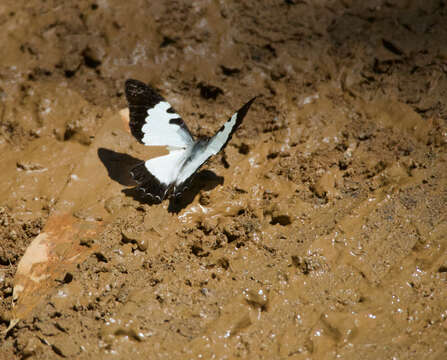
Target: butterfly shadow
[118,167]
[203,180]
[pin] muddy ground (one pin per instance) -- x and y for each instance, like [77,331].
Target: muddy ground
[320,231]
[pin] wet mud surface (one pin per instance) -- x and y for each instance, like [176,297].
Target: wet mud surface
[320,231]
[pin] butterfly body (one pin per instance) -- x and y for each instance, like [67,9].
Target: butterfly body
[154,122]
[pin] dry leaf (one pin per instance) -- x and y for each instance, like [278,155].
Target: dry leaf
[78,215]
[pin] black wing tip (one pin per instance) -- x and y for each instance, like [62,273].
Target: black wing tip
[134,82]
[139,93]
[135,91]
[251,100]
[243,111]
[133,87]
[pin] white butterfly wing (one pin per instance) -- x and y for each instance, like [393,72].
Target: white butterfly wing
[153,121]
[165,128]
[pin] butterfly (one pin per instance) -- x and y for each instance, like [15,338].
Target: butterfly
[153,122]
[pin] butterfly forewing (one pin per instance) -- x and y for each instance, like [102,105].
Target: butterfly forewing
[153,121]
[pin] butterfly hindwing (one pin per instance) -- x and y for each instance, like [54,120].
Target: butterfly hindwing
[148,182]
[152,119]
[155,176]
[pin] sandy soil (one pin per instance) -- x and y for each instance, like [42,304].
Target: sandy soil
[320,231]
